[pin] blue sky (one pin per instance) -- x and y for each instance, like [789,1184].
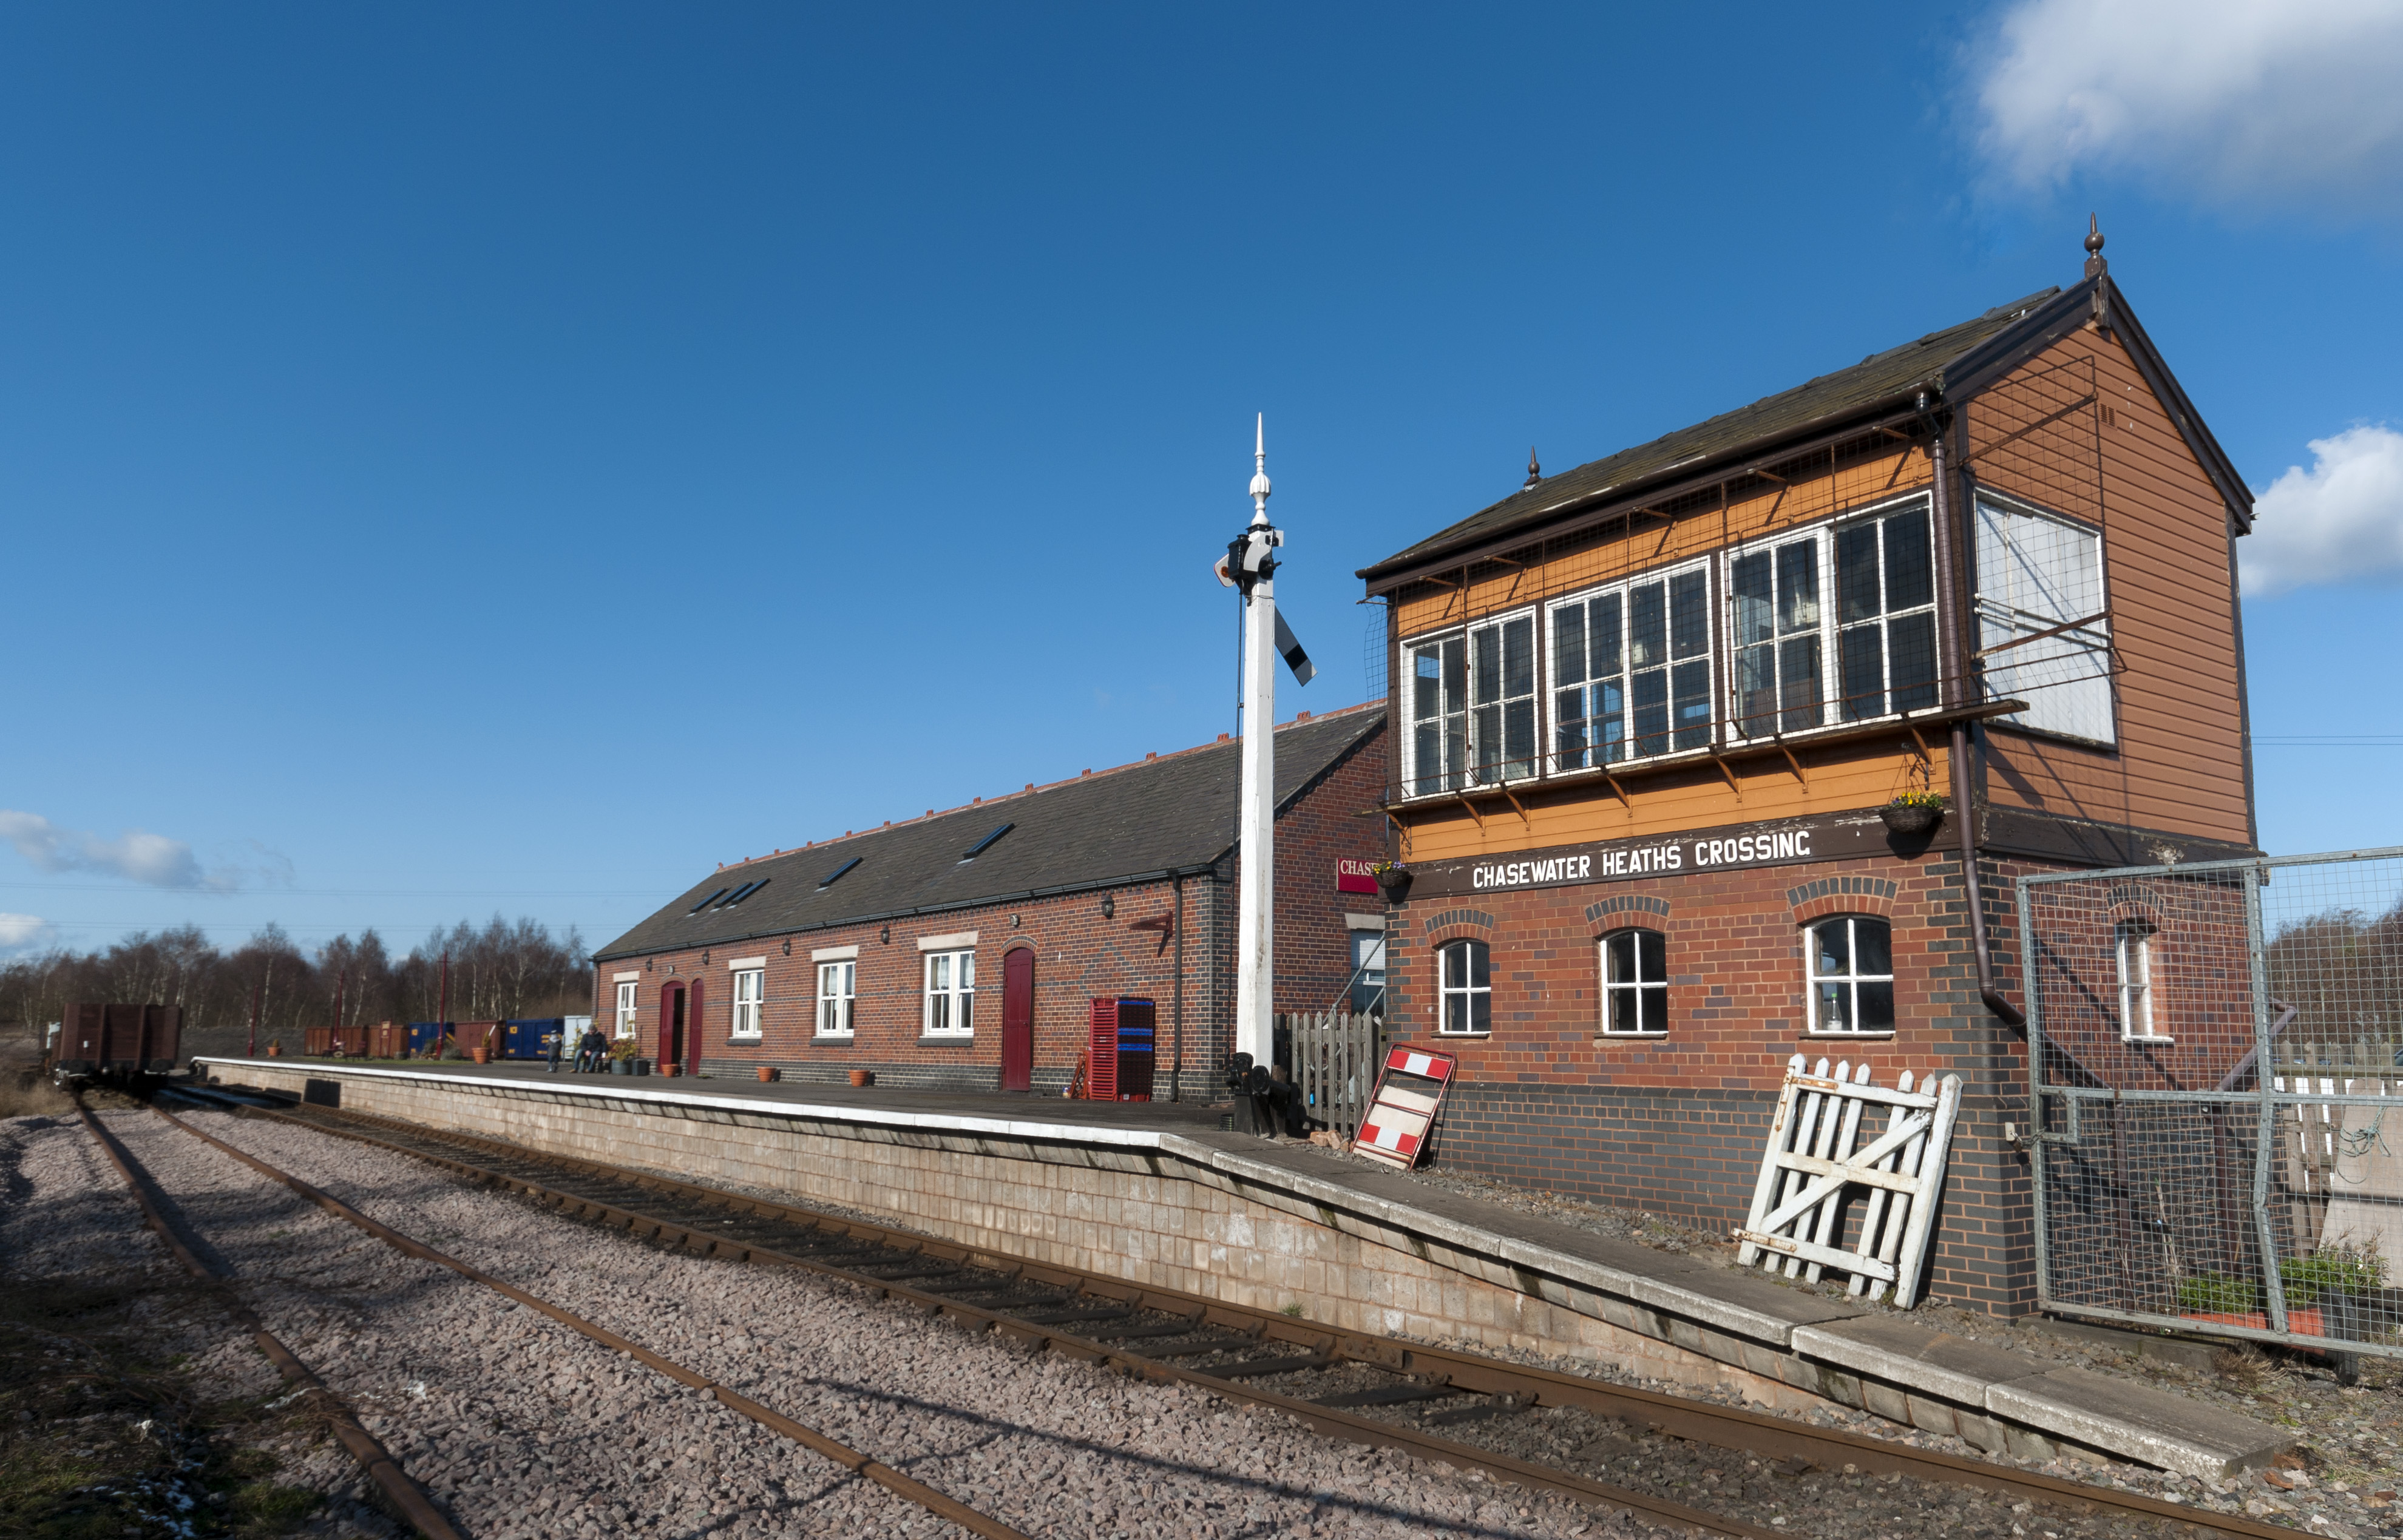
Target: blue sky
[460,459]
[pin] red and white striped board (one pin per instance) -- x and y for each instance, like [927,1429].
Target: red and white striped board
[1410,1093]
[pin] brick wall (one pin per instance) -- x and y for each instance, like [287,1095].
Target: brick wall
[1676,1124]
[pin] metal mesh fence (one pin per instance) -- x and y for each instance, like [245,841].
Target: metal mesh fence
[2214,1051]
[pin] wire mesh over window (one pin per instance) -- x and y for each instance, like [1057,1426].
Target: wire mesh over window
[1632,671]
[2216,1047]
[1473,707]
[1877,620]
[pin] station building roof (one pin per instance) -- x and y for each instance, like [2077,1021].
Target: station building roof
[1155,818]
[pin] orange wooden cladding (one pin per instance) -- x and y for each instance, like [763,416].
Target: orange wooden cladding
[2179,764]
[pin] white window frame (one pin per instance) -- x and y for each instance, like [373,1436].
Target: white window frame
[2026,586]
[1850,980]
[2132,942]
[1592,749]
[750,999]
[1482,754]
[1834,707]
[629,1003]
[1468,991]
[838,997]
[1369,968]
[954,997]
[1651,992]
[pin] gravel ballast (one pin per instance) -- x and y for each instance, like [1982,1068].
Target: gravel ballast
[526,1429]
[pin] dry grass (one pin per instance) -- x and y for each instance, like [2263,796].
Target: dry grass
[28,1094]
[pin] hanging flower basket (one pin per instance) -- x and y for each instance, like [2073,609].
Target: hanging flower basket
[1393,881]
[1913,814]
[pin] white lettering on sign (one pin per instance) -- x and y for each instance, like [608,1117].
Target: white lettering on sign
[1757,848]
[1785,845]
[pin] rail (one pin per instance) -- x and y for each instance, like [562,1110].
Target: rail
[1095,1318]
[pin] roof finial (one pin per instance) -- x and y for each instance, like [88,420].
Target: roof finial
[1534,471]
[2095,265]
[1260,472]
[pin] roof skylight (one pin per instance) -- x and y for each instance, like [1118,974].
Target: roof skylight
[986,844]
[706,902]
[835,876]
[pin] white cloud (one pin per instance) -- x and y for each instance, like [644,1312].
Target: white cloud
[138,856]
[23,933]
[2339,522]
[2236,100]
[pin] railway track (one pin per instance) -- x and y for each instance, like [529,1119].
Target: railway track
[1437,1404]
[404,1493]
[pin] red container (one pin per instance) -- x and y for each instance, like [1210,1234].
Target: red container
[1120,1046]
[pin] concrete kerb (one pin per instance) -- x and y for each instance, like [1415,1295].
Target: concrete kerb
[1669,1317]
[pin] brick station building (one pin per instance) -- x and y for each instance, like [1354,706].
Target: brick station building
[1647,712]
[959,950]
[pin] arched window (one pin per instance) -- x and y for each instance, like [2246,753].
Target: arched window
[1635,982]
[1468,980]
[1851,959]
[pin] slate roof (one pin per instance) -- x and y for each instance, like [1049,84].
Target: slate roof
[1175,813]
[1958,359]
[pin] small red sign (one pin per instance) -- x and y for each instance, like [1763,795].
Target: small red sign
[1353,877]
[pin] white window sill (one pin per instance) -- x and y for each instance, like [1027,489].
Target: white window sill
[1848,1036]
[744,1037]
[947,1037]
[1625,1036]
[2150,1042]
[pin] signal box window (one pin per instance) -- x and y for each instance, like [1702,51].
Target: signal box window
[1472,707]
[1634,983]
[750,990]
[1851,962]
[1632,672]
[1468,980]
[951,993]
[837,992]
[1855,601]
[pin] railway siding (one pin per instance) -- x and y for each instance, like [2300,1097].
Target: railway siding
[1264,1227]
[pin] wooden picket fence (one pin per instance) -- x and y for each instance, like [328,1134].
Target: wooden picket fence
[1334,1064]
[1816,1160]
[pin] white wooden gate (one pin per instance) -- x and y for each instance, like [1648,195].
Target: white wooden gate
[1815,1159]
[1335,1065]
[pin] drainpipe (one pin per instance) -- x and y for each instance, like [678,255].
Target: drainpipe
[1962,814]
[1176,1064]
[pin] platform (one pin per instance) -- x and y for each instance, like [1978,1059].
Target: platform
[1156,1193]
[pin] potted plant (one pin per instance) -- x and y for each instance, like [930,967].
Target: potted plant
[1392,879]
[621,1056]
[275,1047]
[766,1072]
[863,1077]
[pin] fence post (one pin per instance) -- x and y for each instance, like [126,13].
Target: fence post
[2273,1286]
[2034,995]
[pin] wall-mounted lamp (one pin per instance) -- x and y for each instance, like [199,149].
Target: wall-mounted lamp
[1109,907]
[885,935]
[1013,922]
[705,957]
[788,947]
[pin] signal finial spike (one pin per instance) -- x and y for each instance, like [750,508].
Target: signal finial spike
[1260,472]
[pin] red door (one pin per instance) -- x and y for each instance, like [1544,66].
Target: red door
[1018,1020]
[670,1044]
[692,1032]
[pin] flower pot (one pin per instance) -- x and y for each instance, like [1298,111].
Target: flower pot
[766,1072]
[1395,885]
[1910,821]
[670,1069]
[863,1077]
[483,1055]
[275,1050]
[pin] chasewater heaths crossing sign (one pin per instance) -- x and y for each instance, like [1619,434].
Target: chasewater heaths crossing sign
[1777,842]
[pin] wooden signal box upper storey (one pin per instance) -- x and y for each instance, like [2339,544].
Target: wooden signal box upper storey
[1767,623]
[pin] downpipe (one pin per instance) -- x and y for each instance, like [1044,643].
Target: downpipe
[2012,1015]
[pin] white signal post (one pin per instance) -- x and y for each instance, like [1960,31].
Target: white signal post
[1251,566]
